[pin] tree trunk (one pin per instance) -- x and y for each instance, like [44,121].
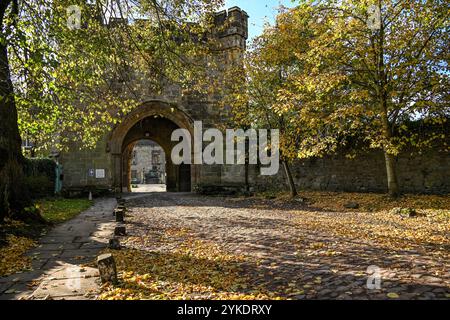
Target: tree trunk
[393,188]
[290,180]
[13,192]
[391,172]
[246,167]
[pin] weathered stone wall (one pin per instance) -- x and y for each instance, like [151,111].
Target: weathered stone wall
[78,162]
[426,173]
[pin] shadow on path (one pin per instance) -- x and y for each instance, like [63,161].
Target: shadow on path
[57,261]
[285,254]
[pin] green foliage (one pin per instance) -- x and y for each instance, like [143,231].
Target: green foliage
[33,210]
[40,177]
[40,186]
[325,77]
[40,166]
[72,85]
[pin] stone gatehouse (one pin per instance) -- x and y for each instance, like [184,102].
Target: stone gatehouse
[108,166]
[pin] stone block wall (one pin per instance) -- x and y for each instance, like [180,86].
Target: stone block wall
[78,161]
[426,173]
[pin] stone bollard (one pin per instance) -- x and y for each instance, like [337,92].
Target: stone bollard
[119,216]
[114,244]
[121,208]
[117,210]
[107,268]
[120,231]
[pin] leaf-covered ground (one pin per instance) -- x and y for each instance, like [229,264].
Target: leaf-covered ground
[17,237]
[192,247]
[368,202]
[195,269]
[12,252]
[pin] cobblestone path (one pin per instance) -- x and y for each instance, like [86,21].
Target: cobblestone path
[301,247]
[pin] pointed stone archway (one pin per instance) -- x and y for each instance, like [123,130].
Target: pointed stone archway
[153,120]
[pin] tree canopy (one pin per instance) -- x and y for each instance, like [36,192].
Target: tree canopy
[73,81]
[336,71]
[70,69]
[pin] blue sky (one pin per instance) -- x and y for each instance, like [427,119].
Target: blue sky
[259,11]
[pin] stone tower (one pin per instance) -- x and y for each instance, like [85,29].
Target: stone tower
[232,28]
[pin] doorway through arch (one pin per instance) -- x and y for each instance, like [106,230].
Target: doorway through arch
[154,120]
[154,134]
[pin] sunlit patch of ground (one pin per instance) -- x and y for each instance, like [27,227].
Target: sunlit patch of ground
[17,237]
[148,188]
[195,270]
[182,246]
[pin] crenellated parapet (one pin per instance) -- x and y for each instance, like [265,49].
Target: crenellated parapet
[232,28]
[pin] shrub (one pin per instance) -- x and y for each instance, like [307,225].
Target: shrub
[40,177]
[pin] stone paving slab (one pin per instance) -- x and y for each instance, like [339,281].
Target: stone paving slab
[71,272]
[46,254]
[70,283]
[57,239]
[58,246]
[4,286]
[57,260]
[93,245]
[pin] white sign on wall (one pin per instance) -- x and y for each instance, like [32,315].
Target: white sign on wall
[100,173]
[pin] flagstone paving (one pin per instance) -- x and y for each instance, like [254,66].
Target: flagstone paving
[57,262]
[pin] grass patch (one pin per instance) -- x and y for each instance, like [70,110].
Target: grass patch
[60,210]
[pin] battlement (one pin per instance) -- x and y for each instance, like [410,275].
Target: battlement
[230,27]
[233,21]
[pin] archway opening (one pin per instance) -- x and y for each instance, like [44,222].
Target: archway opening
[147,172]
[146,158]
